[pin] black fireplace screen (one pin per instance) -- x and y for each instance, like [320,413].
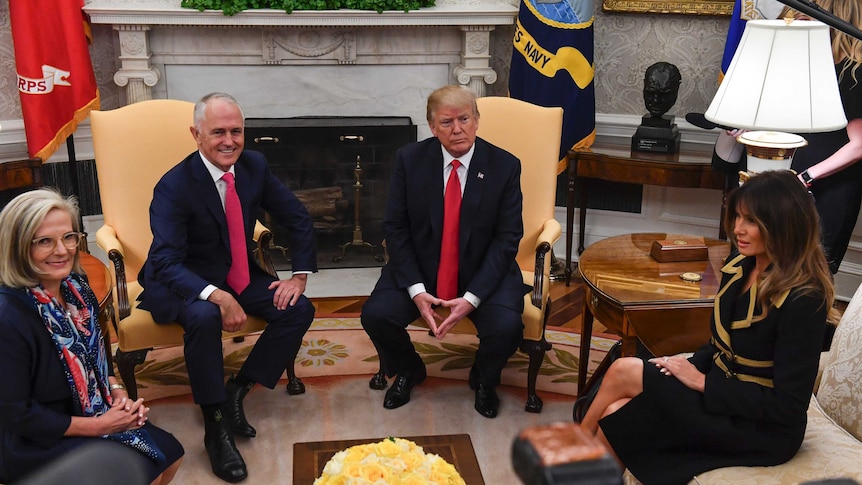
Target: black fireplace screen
[340,168]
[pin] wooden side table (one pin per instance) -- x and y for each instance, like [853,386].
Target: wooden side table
[19,176]
[99,277]
[638,298]
[690,168]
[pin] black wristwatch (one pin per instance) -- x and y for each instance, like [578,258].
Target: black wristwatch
[806,178]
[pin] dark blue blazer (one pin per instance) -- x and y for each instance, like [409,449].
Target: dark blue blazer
[191,248]
[490,230]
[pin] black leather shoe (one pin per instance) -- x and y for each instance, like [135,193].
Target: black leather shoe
[225,459]
[487,402]
[233,411]
[399,394]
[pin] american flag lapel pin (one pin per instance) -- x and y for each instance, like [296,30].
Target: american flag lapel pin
[481,175]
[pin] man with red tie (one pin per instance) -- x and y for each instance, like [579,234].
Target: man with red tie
[200,272]
[452,227]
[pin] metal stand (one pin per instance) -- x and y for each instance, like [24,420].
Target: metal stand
[357,225]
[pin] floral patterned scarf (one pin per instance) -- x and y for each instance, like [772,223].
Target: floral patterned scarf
[78,338]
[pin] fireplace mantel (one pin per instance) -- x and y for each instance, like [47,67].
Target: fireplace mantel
[169,12]
[338,62]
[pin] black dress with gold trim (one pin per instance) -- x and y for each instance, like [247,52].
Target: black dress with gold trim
[759,378]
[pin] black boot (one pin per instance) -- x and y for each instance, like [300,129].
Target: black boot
[225,459]
[233,410]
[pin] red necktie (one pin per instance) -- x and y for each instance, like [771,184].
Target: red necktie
[237,276]
[447,272]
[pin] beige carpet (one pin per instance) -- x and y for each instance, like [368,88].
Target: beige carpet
[339,346]
[335,363]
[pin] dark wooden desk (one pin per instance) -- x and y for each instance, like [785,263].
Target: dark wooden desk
[690,168]
[638,298]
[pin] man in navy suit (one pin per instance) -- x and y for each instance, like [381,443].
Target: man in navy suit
[186,276]
[487,283]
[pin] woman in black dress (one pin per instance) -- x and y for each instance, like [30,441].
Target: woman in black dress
[828,164]
[58,392]
[742,398]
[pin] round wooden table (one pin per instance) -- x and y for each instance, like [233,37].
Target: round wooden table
[638,298]
[101,282]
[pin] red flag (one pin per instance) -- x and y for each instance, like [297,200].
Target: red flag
[55,76]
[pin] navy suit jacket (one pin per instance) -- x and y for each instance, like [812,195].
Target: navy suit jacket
[490,229]
[191,247]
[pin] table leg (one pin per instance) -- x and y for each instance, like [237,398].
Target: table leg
[584,359]
[582,194]
[570,214]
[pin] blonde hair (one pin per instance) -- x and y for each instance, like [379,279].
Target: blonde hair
[845,46]
[19,221]
[450,96]
[790,229]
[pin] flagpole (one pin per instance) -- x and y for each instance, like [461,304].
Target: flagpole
[76,187]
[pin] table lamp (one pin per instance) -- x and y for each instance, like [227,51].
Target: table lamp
[781,81]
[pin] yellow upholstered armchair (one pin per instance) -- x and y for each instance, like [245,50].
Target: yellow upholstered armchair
[134,146]
[531,133]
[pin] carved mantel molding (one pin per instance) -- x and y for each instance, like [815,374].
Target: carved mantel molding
[136,21]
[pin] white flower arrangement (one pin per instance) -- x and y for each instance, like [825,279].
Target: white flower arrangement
[393,461]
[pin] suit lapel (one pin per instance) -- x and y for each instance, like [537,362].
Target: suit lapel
[206,189]
[433,177]
[473,191]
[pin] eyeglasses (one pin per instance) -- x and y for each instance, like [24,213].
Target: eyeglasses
[47,243]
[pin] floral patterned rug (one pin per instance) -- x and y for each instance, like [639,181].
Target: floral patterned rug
[339,346]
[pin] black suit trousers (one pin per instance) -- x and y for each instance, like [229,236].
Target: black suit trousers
[387,312]
[276,347]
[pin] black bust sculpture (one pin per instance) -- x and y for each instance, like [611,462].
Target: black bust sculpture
[657,131]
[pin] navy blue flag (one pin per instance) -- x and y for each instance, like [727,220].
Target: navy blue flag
[552,65]
[743,11]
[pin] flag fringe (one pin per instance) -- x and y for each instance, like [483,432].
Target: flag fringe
[80,115]
[583,144]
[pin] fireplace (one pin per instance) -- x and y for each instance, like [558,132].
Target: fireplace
[321,66]
[340,168]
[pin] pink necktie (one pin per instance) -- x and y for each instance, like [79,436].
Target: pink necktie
[447,271]
[237,276]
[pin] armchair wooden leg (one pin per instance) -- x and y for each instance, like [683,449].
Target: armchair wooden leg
[126,363]
[535,349]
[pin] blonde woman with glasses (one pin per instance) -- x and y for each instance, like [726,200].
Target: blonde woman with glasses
[58,392]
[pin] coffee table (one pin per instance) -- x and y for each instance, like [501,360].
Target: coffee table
[640,299]
[309,458]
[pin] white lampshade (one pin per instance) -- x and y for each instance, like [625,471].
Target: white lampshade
[782,78]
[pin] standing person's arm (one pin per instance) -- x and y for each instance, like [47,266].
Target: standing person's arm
[847,155]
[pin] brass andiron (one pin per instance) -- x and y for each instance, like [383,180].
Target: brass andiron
[357,224]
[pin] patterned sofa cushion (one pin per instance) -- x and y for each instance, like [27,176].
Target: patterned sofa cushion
[840,391]
[828,451]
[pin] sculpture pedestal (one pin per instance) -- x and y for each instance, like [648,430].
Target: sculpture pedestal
[656,134]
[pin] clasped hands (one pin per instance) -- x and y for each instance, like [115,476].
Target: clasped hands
[458,309]
[125,414]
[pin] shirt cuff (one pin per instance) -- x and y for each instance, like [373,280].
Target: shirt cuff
[473,299]
[414,290]
[207,291]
